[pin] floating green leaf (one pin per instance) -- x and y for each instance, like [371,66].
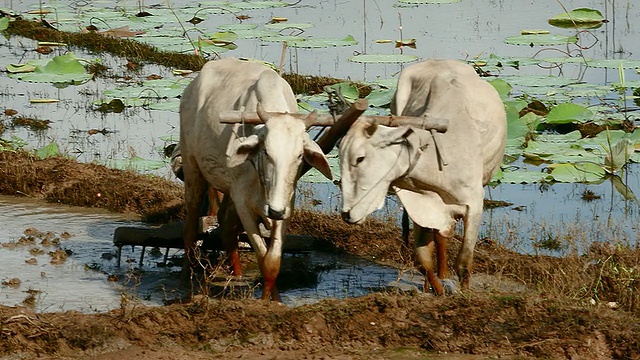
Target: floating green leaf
[416,2]
[286,25]
[566,59]
[568,113]
[380,97]
[134,163]
[254,5]
[61,69]
[4,23]
[347,89]
[539,81]
[20,68]
[48,151]
[281,38]
[541,39]
[322,43]
[522,177]
[383,58]
[572,173]
[236,27]
[614,63]
[582,18]
[502,87]
[224,37]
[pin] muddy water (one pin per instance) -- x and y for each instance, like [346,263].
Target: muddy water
[85,280]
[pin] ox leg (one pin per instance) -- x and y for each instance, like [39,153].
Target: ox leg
[231,227]
[464,263]
[405,232]
[257,243]
[272,260]
[443,268]
[425,243]
[215,201]
[195,187]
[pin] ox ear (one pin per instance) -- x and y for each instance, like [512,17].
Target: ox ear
[315,157]
[391,135]
[240,149]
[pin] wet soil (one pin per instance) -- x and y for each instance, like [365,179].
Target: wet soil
[578,307]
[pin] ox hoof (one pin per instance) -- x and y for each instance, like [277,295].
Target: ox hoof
[449,286]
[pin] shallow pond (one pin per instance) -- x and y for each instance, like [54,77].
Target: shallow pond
[461,30]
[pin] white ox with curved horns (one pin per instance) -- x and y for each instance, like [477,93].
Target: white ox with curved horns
[439,178]
[255,166]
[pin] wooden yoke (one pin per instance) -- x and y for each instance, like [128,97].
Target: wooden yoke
[342,125]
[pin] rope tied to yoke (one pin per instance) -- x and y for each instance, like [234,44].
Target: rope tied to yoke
[439,155]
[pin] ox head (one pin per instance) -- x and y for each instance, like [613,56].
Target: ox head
[276,151]
[371,158]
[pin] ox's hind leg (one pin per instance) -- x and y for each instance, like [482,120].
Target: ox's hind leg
[424,244]
[231,228]
[426,239]
[195,187]
[464,263]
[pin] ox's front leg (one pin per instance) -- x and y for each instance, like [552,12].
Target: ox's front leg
[272,260]
[260,249]
[443,266]
[464,263]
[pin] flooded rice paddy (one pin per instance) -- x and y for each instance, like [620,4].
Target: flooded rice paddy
[462,30]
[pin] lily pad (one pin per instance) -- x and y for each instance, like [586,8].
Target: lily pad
[428,1]
[286,25]
[522,177]
[614,63]
[236,27]
[281,38]
[61,69]
[48,151]
[566,60]
[582,18]
[383,58]
[540,81]
[20,68]
[134,163]
[4,23]
[322,43]
[577,173]
[541,40]
[568,113]
[254,5]
[380,97]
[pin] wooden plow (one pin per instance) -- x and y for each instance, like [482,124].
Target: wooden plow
[170,235]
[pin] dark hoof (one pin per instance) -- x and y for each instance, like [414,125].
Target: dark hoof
[449,286]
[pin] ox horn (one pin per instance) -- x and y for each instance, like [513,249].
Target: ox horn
[310,119]
[262,114]
[370,130]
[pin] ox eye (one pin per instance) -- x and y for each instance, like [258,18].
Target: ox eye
[359,159]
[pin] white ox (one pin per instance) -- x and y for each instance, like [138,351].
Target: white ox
[256,166]
[439,178]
